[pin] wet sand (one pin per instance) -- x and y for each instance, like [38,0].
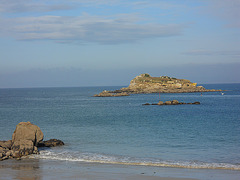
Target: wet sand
[38,169]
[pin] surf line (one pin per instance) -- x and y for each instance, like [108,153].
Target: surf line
[170,165]
[232,167]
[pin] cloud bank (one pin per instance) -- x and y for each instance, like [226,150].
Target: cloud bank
[31,20]
[85,28]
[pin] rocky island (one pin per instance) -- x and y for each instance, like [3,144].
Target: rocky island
[145,84]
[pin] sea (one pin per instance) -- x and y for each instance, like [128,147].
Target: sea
[121,130]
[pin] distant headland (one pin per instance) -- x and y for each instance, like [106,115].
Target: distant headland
[145,84]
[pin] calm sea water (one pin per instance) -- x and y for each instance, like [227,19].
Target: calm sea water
[120,130]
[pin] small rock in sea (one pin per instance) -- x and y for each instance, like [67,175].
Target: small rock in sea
[147,104]
[51,143]
[168,103]
[174,102]
[196,102]
[160,103]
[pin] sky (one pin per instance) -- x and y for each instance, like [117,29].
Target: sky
[73,43]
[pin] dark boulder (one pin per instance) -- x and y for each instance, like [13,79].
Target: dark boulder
[51,143]
[146,104]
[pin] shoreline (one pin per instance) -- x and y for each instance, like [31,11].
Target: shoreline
[56,169]
[119,93]
[94,158]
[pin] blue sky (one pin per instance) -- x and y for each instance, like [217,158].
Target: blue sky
[94,43]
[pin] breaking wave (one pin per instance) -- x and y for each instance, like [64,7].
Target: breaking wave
[108,159]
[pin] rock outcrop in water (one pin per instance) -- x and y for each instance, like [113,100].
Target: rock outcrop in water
[26,139]
[51,143]
[111,94]
[145,84]
[173,102]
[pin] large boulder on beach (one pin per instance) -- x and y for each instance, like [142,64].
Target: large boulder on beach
[26,138]
[24,147]
[27,131]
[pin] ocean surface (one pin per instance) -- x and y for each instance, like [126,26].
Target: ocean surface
[120,130]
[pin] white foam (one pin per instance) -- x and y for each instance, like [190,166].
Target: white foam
[108,159]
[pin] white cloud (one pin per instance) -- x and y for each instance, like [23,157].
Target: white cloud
[113,29]
[85,28]
[21,6]
[98,2]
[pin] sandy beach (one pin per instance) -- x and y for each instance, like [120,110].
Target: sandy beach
[36,169]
